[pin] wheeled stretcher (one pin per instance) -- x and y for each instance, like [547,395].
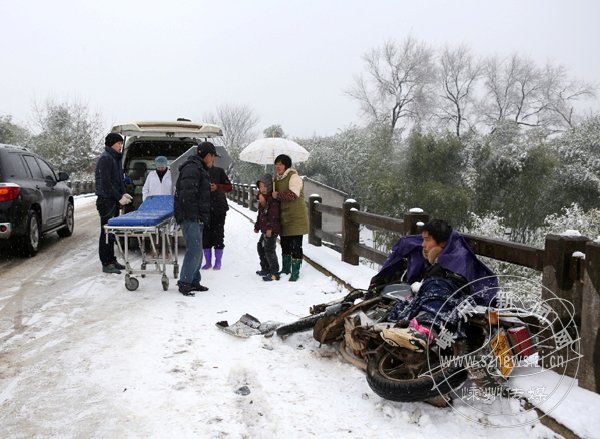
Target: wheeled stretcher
[153,221]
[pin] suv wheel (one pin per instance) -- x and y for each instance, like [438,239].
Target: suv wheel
[67,230]
[32,238]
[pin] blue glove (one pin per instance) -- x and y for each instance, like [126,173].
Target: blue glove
[127,180]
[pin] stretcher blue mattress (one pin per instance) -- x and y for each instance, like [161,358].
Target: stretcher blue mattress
[153,211]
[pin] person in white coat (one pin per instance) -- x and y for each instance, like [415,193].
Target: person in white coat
[159,181]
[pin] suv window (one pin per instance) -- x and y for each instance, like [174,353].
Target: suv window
[47,171]
[14,166]
[33,167]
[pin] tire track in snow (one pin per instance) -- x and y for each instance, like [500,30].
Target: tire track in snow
[28,280]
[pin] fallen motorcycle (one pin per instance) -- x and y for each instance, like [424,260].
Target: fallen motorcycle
[494,342]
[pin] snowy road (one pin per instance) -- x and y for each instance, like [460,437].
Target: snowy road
[83,357]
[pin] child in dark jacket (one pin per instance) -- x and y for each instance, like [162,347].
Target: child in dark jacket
[267,223]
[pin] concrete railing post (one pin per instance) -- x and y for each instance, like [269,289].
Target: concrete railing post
[245,195]
[236,196]
[350,232]
[315,220]
[412,220]
[562,280]
[589,374]
[253,201]
[558,275]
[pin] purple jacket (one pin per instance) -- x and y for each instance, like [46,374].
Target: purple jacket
[456,256]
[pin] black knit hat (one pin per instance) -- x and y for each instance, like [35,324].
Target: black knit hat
[285,160]
[112,138]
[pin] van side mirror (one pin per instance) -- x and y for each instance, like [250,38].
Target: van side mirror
[63,176]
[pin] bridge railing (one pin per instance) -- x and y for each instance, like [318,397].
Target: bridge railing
[82,187]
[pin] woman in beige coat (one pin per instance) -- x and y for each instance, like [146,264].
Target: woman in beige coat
[289,190]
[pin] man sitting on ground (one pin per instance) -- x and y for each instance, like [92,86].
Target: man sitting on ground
[444,272]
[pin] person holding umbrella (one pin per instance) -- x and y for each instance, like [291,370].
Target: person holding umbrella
[289,190]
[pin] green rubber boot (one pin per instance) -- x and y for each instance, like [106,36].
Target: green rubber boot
[286,264]
[296,263]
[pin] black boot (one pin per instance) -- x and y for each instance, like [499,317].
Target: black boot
[186,289]
[197,287]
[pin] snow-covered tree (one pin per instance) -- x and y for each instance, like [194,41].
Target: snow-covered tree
[510,177]
[573,217]
[238,123]
[12,133]
[396,84]
[274,131]
[70,137]
[561,93]
[338,160]
[518,90]
[457,76]
[577,179]
[432,176]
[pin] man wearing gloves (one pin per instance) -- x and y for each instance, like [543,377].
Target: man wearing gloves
[111,195]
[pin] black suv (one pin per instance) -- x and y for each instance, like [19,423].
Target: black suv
[33,199]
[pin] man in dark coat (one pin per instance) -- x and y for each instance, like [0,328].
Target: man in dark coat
[450,275]
[111,195]
[214,235]
[192,213]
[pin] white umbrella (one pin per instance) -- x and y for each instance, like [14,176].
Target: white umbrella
[264,151]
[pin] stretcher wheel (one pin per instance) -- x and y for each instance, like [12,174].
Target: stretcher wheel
[176,271]
[165,283]
[131,283]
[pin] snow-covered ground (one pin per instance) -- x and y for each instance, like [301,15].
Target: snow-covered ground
[83,357]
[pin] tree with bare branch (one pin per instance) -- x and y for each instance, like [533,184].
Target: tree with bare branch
[457,72]
[512,91]
[237,122]
[562,93]
[516,89]
[395,83]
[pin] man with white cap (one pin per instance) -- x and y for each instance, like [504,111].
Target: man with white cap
[158,181]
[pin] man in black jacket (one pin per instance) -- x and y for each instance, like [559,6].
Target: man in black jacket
[192,213]
[111,194]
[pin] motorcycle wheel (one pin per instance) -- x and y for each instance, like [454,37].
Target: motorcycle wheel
[390,377]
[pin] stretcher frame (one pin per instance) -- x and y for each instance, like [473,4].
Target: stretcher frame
[165,232]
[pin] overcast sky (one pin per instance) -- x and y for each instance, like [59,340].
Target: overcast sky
[288,60]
